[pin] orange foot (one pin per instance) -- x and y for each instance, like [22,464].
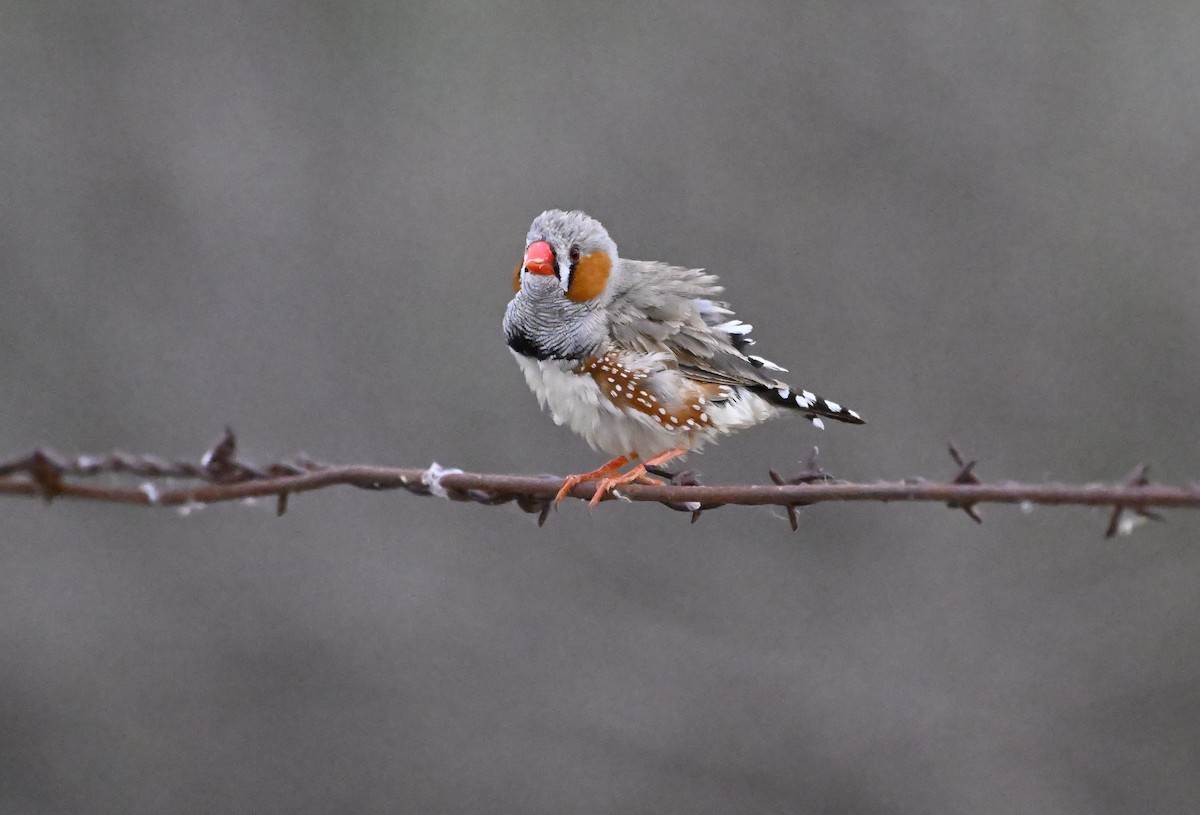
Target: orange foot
[603,472]
[637,474]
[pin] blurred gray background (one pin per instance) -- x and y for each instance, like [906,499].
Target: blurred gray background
[970,221]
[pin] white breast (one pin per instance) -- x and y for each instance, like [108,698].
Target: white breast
[576,401]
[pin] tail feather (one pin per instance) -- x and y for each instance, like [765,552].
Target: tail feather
[812,406]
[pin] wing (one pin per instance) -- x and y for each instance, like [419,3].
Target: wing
[668,308]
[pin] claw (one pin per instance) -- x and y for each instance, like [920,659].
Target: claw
[569,483]
[637,474]
[572,481]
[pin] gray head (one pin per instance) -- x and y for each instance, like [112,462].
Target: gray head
[562,286]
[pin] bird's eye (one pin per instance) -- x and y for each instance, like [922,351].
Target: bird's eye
[574,254]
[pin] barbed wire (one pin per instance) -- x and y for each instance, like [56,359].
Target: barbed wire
[225,477]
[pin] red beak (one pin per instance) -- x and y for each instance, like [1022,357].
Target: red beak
[539,258]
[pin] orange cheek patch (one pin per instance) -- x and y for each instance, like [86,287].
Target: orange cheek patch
[517,279]
[590,277]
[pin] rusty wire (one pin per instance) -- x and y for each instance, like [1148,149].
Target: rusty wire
[224,477]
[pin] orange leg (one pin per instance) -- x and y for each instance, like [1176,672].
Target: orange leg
[638,474]
[603,472]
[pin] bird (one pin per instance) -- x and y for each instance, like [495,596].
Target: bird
[640,358]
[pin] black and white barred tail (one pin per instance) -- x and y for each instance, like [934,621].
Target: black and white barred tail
[813,406]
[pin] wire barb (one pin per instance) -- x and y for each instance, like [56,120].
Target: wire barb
[220,475]
[683,478]
[966,475]
[813,475]
[1138,477]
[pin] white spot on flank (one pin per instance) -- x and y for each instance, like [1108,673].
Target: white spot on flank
[817,423]
[784,393]
[610,379]
[834,406]
[674,420]
[854,414]
[704,417]
[150,491]
[662,410]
